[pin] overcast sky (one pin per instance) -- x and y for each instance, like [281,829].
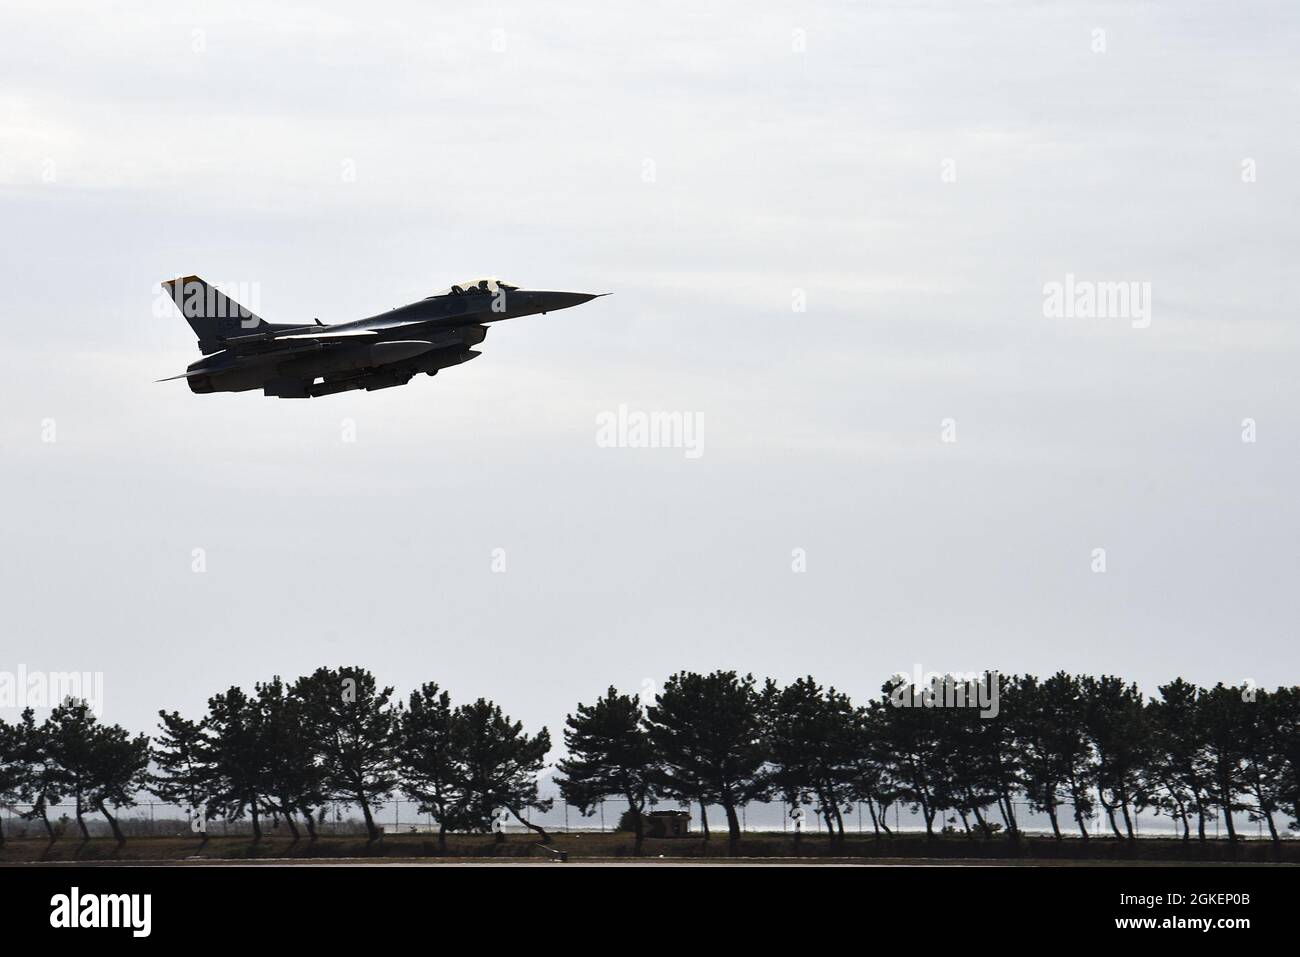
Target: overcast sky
[915,173]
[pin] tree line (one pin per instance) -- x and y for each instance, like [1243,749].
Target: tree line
[1074,748]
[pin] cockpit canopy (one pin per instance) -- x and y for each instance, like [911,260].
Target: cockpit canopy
[476,287]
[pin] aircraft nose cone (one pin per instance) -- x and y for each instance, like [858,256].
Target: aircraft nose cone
[563,300]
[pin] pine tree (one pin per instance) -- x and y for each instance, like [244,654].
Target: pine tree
[610,755]
[294,775]
[239,750]
[13,768]
[996,766]
[1118,729]
[99,766]
[809,741]
[1284,720]
[186,771]
[351,725]
[69,734]
[431,768]
[41,778]
[871,765]
[912,735]
[1226,750]
[708,732]
[1178,753]
[1263,772]
[499,765]
[119,770]
[1054,750]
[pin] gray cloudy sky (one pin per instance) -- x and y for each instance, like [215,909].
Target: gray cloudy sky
[796,146]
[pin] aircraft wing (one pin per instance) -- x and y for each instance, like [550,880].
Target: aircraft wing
[330,336]
[292,336]
[270,347]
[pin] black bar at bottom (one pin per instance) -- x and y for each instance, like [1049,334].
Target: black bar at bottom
[340,902]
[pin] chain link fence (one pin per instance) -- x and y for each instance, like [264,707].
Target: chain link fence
[338,819]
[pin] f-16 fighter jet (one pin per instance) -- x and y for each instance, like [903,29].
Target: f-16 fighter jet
[242,351]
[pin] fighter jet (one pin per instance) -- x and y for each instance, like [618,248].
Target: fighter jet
[242,351]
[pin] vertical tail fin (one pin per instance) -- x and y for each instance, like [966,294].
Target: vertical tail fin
[211,313]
